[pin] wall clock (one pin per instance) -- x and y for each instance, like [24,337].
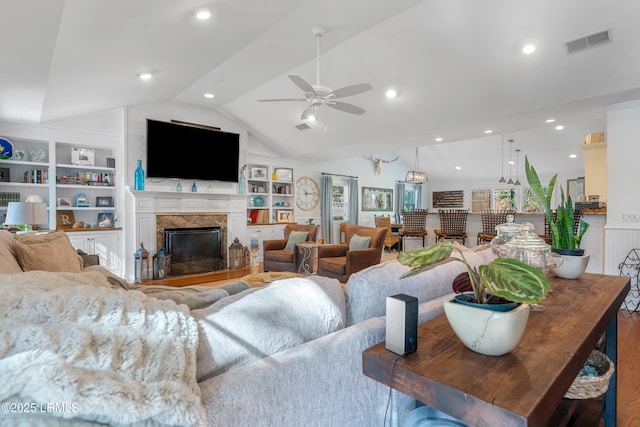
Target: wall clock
[307,193]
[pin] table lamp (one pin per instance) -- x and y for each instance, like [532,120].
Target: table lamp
[19,213]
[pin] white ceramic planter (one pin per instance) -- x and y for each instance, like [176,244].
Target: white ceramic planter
[488,332]
[572,266]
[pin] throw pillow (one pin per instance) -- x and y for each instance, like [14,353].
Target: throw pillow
[263,321]
[296,237]
[9,264]
[359,242]
[46,252]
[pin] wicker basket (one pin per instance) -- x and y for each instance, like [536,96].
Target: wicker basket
[589,387]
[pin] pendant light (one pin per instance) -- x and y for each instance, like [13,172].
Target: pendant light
[502,180]
[415,176]
[517,167]
[510,162]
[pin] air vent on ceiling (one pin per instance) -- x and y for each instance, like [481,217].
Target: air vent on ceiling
[303,126]
[586,42]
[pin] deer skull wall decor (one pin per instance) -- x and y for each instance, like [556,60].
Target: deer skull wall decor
[377,164]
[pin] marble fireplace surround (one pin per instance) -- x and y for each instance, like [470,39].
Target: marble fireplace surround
[192,220]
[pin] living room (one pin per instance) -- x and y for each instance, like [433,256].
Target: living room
[450,90]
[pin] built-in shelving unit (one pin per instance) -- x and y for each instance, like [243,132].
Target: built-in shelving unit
[88,190]
[271,195]
[25,174]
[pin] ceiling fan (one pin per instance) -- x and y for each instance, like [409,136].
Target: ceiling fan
[318,95]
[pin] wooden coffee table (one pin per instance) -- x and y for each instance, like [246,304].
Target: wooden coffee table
[524,387]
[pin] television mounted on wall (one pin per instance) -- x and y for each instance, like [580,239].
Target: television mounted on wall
[182,151]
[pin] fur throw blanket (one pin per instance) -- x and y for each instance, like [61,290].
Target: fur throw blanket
[111,355]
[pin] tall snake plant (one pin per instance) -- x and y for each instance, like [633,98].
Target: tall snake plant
[562,228]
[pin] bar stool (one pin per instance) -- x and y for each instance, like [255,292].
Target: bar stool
[491,218]
[453,225]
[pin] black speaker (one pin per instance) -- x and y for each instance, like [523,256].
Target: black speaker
[111,162]
[402,324]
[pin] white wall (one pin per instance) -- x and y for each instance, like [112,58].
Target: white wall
[623,176]
[360,167]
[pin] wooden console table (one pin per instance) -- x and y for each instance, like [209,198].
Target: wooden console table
[524,387]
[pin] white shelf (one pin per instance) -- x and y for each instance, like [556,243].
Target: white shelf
[87,168]
[90,208]
[85,187]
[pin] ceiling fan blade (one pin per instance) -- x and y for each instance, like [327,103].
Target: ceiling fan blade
[309,111]
[283,99]
[302,84]
[343,106]
[351,90]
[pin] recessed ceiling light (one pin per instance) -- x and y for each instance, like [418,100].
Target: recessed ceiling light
[144,76]
[488,131]
[203,14]
[438,139]
[209,95]
[550,120]
[573,156]
[559,127]
[311,118]
[528,49]
[391,93]
[458,168]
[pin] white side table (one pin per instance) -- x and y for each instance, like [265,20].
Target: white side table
[307,257]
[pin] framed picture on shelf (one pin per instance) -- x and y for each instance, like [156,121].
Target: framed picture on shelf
[19,155]
[64,202]
[105,220]
[283,216]
[284,174]
[65,219]
[257,172]
[83,156]
[5,174]
[104,202]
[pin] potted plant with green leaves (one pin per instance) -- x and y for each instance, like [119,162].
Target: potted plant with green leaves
[478,318]
[565,239]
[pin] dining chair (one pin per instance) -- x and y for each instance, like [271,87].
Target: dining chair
[392,239]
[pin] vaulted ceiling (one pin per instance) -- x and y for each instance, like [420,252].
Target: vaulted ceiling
[456,65]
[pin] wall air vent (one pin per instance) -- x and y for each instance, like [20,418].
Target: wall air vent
[303,126]
[587,42]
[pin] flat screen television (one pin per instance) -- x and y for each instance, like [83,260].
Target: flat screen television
[189,152]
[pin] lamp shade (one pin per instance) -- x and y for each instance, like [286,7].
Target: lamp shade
[26,213]
[416,177]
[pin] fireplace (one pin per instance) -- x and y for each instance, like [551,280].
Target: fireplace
[194,250]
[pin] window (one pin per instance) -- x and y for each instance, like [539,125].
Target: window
[480,200]
[529,201]
[504,198]
[410,197]
[340,203]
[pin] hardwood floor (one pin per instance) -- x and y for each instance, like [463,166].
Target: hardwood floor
[628,414]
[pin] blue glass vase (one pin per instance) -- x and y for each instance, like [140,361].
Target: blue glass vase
[139,177]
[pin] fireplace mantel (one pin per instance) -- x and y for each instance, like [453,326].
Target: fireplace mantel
[142,208]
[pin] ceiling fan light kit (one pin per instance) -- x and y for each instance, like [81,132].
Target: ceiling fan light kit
[318,95]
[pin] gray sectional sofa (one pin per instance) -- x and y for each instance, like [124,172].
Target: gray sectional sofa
[285,354]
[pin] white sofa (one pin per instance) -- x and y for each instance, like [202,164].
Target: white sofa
[286,354]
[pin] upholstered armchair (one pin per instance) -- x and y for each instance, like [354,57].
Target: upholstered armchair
[278,256]
[341,260]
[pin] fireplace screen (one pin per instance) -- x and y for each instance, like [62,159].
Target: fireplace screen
[194,250]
